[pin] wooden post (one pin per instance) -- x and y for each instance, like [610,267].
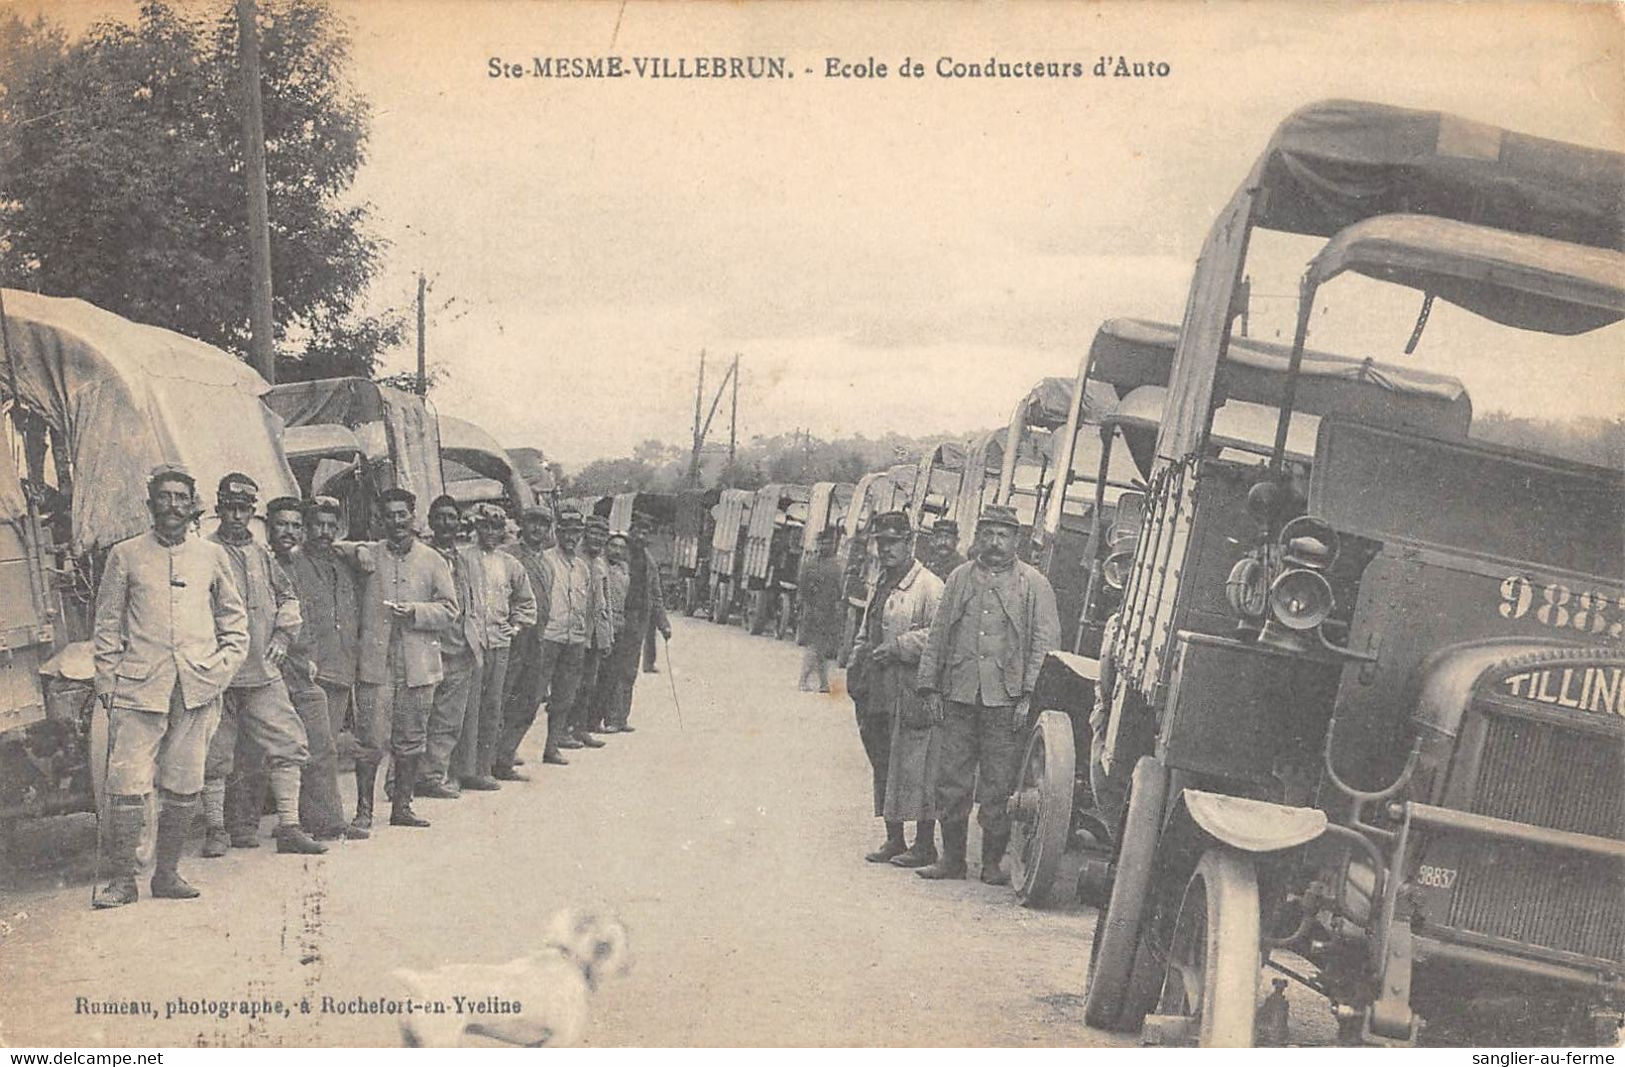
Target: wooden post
[733,422]
[423,374]
[699,434]
[262,349]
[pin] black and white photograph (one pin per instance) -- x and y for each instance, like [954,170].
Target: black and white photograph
[632,524]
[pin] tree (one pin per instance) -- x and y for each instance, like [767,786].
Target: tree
[122,180]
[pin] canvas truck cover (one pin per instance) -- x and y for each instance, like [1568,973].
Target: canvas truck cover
[532,466]
[470,445]
[1529,283]
[1334,163]
[127,397]
[410,441]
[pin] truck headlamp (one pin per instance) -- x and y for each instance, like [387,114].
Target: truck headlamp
[1300,599]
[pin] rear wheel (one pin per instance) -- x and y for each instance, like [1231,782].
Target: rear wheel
[1211,984]
[1106,997]
[787,617]
[691,596]
[719,603]
[1041,808]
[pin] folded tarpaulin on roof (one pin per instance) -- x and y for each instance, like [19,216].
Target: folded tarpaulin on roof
[126,397]
[1336,162]
[1049,403]
[409,443]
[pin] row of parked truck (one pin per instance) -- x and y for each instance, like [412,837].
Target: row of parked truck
[1341,699]
[91,402]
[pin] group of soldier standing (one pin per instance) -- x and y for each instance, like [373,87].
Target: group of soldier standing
[942,672]
[228,667]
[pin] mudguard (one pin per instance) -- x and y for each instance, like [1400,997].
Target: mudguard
[1252,825]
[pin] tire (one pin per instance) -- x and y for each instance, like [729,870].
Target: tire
[1117,925]
[1213,955]
[1041,808]
[786,626]
[758,611]
[691,597]
[719,603]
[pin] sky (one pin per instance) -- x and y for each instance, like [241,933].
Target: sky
[905,254]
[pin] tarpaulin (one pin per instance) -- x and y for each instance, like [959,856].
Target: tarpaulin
[400,434]
[126,397]
[1336,162]
[532,466]
[469,444]
[1532,283]
[1047,404]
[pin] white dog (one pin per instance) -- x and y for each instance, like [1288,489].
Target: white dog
[533,1001]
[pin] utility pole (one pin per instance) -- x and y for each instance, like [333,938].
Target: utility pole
[733,422]
[423,373]
[699,434]
[261,348]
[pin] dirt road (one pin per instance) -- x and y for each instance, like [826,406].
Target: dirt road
[731,847]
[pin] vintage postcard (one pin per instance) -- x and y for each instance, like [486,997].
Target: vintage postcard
[637,524]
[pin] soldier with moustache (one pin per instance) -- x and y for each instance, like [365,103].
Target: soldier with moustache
[600,638]
[942,548]
[169,633]
[408,600]
[996,623]
[257,708]
[525,651]
[645,613]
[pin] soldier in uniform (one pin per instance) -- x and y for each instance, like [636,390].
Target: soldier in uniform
[525,652]
[409,599]
[257,707]
[169,633]
[564,603]
[461,653]
[942,548]
[600,637]
[895,626]
[823,611]
[645,614]
[506,603]
[996,623]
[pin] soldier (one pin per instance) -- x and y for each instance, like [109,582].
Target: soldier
[525,652]
[645,613]
[328,582]
[257,707]
[601,635]
[506,604]
[996,623]
[408,599]
[169,634]
[461,653]
[942,548]
[894,632]
[618,582]
[564,603]
[823,611]
[320,809]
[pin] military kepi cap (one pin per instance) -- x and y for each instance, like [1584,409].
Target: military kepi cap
[489,515]
[170,472]
[891,525]
[597,522]
[999,515]
[569,516]
[237,488]
[536,513]
[947,526]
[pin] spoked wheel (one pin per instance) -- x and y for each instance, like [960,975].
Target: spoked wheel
[719,603]
[1211,984]
[1107,1000]
[691,596]
[787,617]
[1041,808]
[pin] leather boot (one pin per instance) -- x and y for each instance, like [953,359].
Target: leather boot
[993,846]
[290,837]
[894,845]
[174,819]
[952,864]
[216,840]
[366,780]
[401,813]
[923,853]
[125,821]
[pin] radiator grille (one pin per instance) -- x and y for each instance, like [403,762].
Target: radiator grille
[1538,773]
[1542,897]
